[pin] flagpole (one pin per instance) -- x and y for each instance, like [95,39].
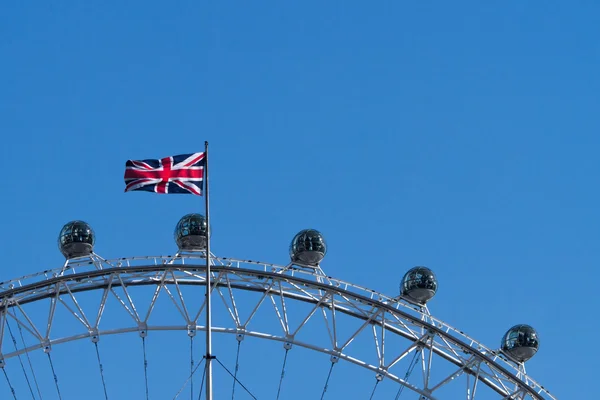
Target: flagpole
[209,356]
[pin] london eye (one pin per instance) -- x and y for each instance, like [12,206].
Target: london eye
[141,317]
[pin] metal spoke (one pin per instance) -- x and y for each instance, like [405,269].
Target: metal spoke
[145,366]
[20,360]
[377,380]
[237,367]
[54,374]
[101,368]
[12,389]
[282,372]
[191,367]
[411,367]
[327,380]
[29,361]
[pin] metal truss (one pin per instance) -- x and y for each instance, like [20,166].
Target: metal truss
[397,329]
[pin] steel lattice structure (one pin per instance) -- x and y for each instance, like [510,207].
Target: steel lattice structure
[382,319]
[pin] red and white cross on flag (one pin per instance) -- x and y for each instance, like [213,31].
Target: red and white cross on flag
[183,173]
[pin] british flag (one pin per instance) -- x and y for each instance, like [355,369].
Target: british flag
[177,174]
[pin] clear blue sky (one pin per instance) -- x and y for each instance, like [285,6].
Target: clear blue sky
[458,135]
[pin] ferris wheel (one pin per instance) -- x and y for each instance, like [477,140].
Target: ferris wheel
[128,328]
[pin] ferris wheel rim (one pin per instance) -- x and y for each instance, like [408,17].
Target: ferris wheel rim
[10,293]
[311,272]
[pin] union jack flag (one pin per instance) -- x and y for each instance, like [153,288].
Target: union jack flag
[177,174]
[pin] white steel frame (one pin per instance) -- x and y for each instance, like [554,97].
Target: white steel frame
[382,314]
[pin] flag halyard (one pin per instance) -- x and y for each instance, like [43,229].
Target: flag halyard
[182,174]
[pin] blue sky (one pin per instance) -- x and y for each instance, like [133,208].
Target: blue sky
[460,136]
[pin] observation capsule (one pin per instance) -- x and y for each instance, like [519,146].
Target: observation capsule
[419,284]
[191,232]
[308,247]
[520,342]
[76,239]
